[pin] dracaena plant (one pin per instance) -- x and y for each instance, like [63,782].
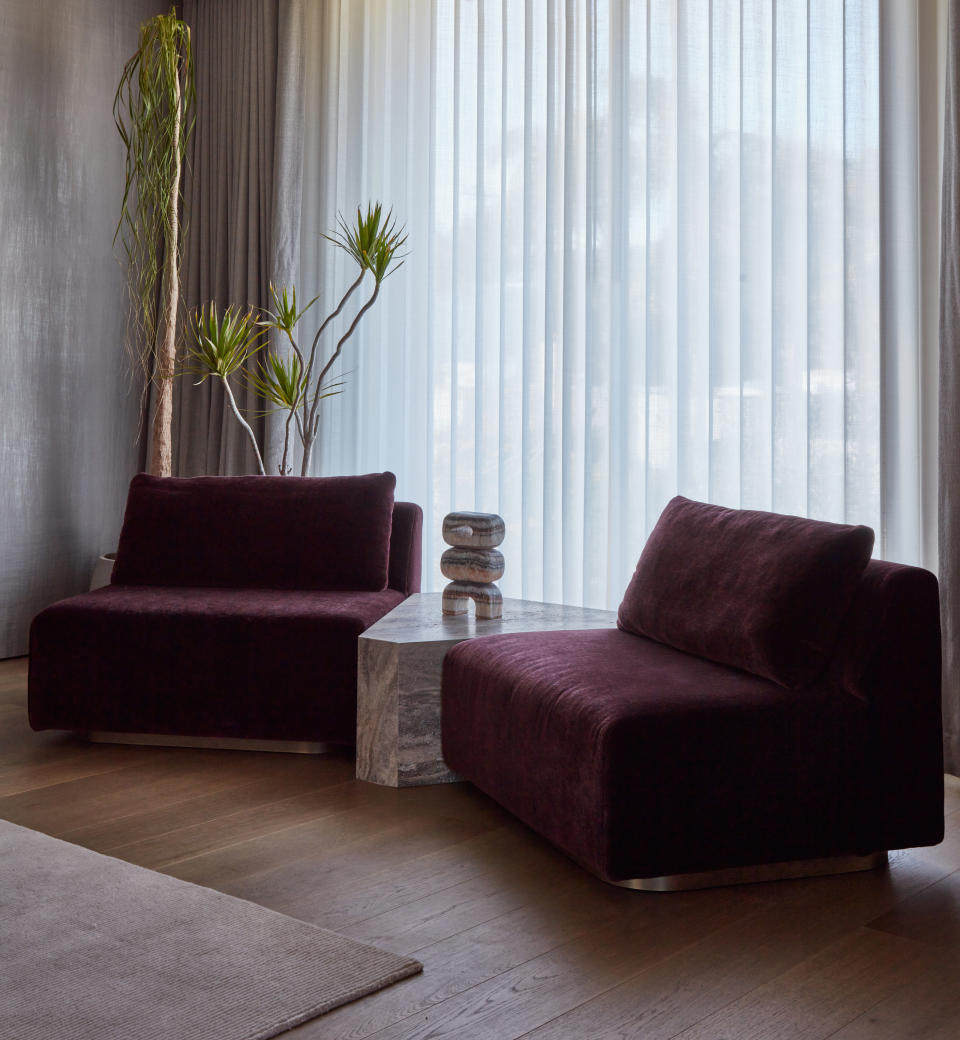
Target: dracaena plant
[295,383]
[154,112]
[221,345]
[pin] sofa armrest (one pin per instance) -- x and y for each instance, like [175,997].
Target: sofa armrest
[889,657]
[406,548]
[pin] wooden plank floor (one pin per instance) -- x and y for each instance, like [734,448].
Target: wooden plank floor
[516,941]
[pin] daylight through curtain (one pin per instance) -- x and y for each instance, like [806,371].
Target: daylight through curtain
[645,258]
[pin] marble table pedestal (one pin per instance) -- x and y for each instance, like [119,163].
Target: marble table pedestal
[399,671]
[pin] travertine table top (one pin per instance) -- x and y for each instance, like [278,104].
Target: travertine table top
[418,619]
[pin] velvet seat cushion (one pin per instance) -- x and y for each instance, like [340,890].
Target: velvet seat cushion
[758,591]
[253,663]
[639,760]
[257,532]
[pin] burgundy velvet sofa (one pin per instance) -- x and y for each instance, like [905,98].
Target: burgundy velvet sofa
[768,705]
[233,612]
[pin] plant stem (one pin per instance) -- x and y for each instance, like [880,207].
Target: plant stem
[286,442]
[307,452]
[243,422]
[310,426]
[343,339]
[313,348]
[293,407]
[296,349]
[161,462]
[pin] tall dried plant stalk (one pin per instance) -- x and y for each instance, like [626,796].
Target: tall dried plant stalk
[154,112]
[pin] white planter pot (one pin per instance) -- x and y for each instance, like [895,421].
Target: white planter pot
[102,570]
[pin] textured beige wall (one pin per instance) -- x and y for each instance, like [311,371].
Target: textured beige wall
[67,418]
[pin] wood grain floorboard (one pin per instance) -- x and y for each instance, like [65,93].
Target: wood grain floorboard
[823,994]
[613,947]
[144,823]
[927,1007]
[516,940]
[801,919]
[454,888]
[931,916]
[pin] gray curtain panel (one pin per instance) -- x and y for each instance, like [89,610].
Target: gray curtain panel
[950,398]
[241,191]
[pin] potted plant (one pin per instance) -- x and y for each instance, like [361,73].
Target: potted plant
[223,345]
[154,112]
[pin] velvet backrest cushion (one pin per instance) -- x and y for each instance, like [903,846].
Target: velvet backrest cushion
[257,532]
[406,548]
[758,591]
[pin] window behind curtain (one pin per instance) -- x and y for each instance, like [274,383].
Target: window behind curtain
[644,260]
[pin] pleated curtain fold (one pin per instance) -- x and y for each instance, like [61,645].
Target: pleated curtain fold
[949,484]
[654,248]
[241,202]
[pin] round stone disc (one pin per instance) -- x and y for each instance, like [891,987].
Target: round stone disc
[482,565]
[473,530]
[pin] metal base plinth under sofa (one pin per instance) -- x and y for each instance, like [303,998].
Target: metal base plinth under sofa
[768,706]
[233,613]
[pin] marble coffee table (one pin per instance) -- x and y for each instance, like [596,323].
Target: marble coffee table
[398,686]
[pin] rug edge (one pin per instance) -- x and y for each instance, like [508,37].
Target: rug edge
[411,968]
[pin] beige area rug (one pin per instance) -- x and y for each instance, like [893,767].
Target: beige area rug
[92,948]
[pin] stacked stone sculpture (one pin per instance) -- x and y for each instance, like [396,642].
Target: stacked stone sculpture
[473,563]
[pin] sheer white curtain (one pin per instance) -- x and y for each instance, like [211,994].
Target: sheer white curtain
[647,256]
